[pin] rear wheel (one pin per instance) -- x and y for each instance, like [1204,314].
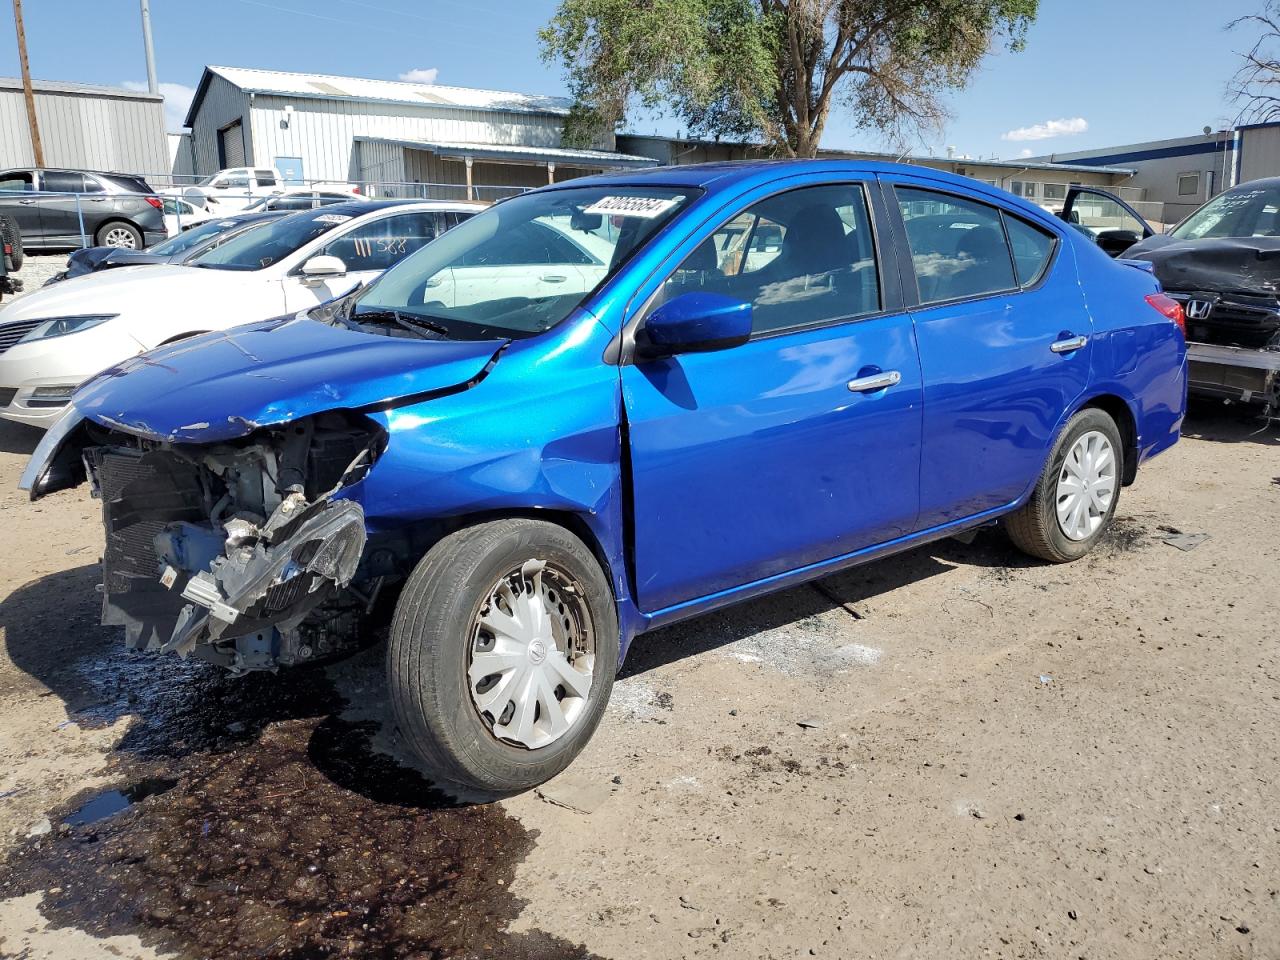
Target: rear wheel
[117,233]
[12,239]
[1077,493]
[502,656]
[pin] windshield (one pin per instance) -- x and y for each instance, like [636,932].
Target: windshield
[523,265]
[1246,212]
[260,248]
[190,238]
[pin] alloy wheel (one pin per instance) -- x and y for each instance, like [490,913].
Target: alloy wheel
[120,237]
[1086,486]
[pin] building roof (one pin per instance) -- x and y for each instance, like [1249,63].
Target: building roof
[80,89]
[1218,142]
[494,151]
[328,87]
[1033,163]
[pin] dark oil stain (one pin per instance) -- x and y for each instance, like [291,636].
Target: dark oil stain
[304,844]
[108,803]
[257,819]
[1124,535]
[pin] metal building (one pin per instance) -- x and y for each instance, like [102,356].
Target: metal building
[398,138]
[84,127]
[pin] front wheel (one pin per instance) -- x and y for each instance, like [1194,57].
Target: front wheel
[1077,493]
[502,656]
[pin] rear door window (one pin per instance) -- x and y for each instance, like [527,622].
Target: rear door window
[62,181]
[958,246]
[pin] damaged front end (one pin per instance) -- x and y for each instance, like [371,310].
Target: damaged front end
[244,553]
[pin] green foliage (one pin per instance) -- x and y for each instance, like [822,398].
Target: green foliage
[773,68]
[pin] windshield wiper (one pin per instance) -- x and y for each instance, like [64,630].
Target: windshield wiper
[415,324]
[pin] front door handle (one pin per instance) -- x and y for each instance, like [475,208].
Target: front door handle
[26,203]
[553,278]
[1069,345]
[877,381]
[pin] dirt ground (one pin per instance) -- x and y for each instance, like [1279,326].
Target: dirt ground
[953,753]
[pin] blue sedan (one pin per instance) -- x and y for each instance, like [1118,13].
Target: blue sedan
[612,404]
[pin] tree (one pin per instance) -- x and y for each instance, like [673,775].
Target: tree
[774,69]
[1256,84]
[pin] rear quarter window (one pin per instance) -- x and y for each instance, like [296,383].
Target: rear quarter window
[1032,249]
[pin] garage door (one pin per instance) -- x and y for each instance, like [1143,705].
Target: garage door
[231,145]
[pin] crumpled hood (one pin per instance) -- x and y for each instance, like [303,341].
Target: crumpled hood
[1236,265]
[102,258]
[227,384]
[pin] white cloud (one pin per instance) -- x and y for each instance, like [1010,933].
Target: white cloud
[1025,152]
[420,75]
[1066,127]
[177,100]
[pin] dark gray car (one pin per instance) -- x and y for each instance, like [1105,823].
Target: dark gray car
[117,209]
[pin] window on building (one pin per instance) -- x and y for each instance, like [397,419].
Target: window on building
[1025,188]
[958,252]
[1188,184]
[1055,191]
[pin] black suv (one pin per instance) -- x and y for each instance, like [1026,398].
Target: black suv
[117,209]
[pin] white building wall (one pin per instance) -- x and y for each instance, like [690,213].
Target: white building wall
[1259,153]
[223,103]
[86,128]
[322,131]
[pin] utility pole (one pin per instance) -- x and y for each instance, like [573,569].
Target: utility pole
[36,149]
[152,85]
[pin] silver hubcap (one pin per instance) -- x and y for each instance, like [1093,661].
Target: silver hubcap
[119,237]
[1086,485]
[532,656]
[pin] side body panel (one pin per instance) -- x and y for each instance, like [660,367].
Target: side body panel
[995,390]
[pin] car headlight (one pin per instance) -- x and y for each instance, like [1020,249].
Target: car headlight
[61,326]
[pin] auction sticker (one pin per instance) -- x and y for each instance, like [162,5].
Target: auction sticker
[331,218]
[646,207]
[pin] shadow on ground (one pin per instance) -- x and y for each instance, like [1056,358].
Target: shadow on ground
[1217,422]
[18,437]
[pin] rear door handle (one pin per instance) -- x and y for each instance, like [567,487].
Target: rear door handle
[553,278]
[877,381]
[26,203]
[1069,345]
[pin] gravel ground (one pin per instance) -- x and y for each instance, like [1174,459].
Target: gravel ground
[969,754]
[36,269]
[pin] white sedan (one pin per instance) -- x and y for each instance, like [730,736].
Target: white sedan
[54,339]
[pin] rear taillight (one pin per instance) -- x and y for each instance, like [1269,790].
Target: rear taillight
[155,202]
[1171,308]
[8,249]
[355,190]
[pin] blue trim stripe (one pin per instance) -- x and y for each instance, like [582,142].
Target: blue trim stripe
[1161,153]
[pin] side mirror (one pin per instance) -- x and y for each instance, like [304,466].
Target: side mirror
[694,323]
[323,266]
[220,186]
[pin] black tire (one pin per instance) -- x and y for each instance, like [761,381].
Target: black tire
[429,652]
[12,238]
[116,226]
[1034,528]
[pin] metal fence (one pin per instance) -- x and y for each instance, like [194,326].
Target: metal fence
[76,211]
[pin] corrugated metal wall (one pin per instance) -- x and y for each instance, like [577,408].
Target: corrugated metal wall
[88,130]
[1259,153]
[380,162]
[323,132]
[223,103]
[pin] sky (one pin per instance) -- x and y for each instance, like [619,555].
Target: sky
[1093,73]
